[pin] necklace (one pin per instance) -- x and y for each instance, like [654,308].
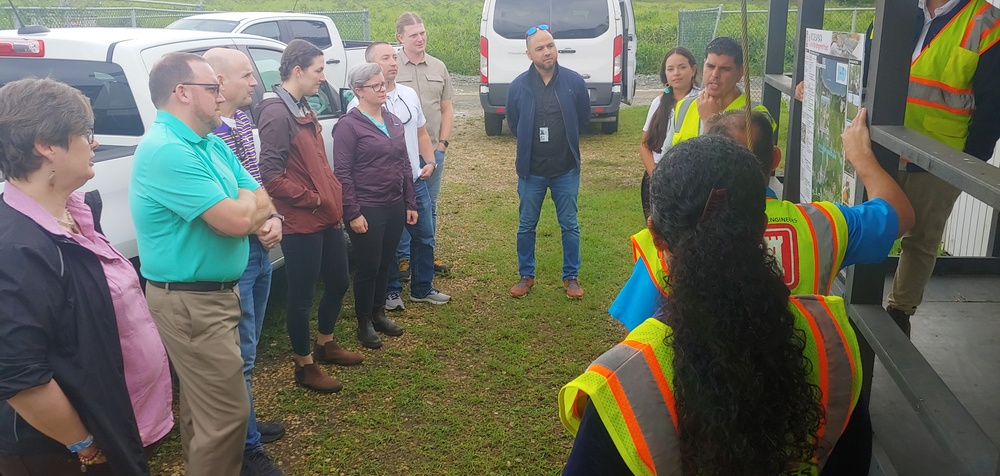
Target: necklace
[68,223]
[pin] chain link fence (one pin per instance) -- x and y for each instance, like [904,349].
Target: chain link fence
[730,24]
[353,25]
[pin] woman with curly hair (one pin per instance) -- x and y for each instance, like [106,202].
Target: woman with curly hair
[734,376]
[679,76]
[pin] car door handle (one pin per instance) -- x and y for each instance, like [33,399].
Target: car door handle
[569,50]
[333,61]
[585,76]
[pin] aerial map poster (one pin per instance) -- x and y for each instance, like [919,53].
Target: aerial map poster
[833,68]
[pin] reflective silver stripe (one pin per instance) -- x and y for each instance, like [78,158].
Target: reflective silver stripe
[647,404]
[682,111]
[823,233]
[979,25]
[940,96]
[840,379]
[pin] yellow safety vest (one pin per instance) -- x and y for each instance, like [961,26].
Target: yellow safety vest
[940,99]
[632,387]
[687,119]
[808,240]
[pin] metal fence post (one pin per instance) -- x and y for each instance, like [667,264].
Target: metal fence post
[367,25]
[854,21]
[134,24]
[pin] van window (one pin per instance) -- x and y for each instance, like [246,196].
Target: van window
[312,31]
[267,29]
[115,112]
[579,19]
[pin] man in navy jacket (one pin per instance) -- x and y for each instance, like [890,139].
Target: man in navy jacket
[547,107]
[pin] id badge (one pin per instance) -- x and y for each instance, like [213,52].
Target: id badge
[543,134]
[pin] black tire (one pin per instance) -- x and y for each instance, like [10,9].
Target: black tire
[610,127]
[494,124]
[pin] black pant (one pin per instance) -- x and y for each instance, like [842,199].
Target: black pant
[644,194]
[307,257]
[376,251]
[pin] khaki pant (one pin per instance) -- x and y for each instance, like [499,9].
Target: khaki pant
[932,200]
[200,334]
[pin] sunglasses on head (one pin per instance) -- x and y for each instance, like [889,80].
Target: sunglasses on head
[534,29]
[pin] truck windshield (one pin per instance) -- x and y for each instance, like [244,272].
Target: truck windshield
[579,19]
[115,112]
[219,26]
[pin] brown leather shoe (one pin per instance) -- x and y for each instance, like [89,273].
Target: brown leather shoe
[573,289]
[312,377]
[522,287]
[332,353]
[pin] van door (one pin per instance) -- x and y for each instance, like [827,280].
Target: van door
[628,59]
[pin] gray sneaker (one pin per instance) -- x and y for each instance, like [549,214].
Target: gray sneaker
[433,297]
[393,302]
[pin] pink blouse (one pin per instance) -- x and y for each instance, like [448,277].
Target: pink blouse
[147,373]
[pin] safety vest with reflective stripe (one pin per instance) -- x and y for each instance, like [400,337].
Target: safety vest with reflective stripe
[632,388]
[940,98]
[808,240]
[687,119]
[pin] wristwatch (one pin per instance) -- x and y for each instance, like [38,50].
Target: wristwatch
[442,141]
[278,216]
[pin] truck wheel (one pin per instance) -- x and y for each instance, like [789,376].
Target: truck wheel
[610,127]
[494,124]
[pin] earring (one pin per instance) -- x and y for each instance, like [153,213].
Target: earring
[666,90]
[52,179]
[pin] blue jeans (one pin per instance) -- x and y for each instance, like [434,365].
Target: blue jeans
[531,190]
[421,246]
[433,189]
[255,286]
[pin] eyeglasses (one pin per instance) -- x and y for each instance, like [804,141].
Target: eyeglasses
[89,135]
[212,88]
[377,87]
[534,29]
[409,113]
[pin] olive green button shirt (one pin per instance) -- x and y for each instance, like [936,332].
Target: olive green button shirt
[432,82]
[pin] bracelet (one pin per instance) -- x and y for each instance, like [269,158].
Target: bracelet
[278,216]
[446,144]
[90,460]
[81,445]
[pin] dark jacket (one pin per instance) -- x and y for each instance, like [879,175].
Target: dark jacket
[294,166]
[374,169]
[57,321]
[574,101]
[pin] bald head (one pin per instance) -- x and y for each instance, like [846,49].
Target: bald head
[235,75]
[542,51]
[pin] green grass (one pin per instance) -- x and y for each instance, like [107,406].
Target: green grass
[471,387]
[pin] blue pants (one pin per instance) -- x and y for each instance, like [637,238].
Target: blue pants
[433,190]
[255,286]
[531,190]
[421,247]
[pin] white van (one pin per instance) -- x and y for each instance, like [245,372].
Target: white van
[595,38]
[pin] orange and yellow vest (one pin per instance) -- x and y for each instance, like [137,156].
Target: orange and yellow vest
[808,240]
[940,99]
[687,119]
[632,388]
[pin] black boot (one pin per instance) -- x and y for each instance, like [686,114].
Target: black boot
[901,319]
[383,324]
[366,333]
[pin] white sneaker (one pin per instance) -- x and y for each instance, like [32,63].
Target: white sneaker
[394,303]
[433,297]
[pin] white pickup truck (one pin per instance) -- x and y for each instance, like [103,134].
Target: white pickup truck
[319,30]
[111,67]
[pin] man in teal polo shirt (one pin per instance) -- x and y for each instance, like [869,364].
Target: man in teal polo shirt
[194,205]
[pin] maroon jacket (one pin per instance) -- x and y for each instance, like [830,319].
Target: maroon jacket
[374,169]
[294,167]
